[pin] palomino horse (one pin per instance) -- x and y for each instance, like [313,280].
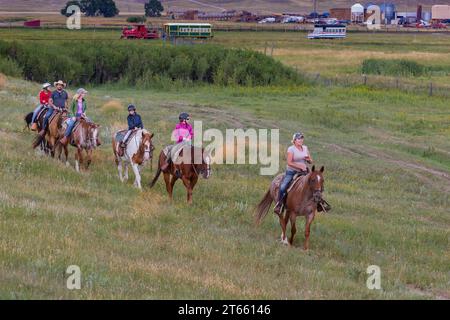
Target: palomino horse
[302,200]
[139,150]
[84,137]
[53,132]
[189,170]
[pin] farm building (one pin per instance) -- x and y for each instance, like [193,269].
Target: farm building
[440,12]
[357,13]
[341,13]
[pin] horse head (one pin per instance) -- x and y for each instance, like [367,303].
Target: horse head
[315,183]
[205,167]
[147,144]
[92,134]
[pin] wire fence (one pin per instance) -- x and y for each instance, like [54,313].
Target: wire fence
[430,88]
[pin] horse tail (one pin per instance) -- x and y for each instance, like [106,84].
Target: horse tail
[38,140]
[158,173]
[263,207]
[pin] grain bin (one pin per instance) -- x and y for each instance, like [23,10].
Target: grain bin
[357,11]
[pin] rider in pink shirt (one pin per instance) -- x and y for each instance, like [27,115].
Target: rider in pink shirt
[183,133]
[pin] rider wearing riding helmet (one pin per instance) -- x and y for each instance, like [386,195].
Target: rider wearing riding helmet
[44,98]
[298,157]
[134,123]
[183,134]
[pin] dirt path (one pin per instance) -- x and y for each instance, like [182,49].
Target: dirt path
[415,167]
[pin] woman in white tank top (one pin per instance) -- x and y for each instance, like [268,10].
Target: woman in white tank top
[298,157]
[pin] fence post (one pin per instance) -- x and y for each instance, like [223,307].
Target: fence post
[431,89]
[396,83]
[365,79]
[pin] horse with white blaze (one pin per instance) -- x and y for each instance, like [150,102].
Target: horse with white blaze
[138,151]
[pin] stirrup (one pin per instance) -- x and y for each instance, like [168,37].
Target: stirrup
[324,206]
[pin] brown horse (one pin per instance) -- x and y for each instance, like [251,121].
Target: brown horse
[189,170]
[302,200]
[54,131]
[84,137]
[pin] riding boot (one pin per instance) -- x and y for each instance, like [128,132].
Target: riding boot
[99,143]
[323,206]
[278,207]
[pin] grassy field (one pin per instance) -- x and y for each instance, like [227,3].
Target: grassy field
[387,159]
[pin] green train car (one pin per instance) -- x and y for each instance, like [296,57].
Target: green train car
[188,30]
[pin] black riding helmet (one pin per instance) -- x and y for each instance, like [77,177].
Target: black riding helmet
[183,116]
[131,107]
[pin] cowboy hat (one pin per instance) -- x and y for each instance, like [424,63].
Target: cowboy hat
[59,82]
[46,85]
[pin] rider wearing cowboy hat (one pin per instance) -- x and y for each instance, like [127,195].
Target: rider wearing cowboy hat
[57,101]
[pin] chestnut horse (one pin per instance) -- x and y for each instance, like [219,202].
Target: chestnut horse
[302,200]
[189,170]
[84,137]
[53,132]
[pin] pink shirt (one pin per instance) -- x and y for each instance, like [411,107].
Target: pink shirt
[183,131]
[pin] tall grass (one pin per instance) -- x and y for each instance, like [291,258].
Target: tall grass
[102,62]
[393,67]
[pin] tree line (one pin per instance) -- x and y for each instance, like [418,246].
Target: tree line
[108,8]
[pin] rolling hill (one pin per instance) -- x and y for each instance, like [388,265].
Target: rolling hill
[261,6]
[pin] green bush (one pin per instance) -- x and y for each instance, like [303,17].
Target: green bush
[137,19]
[102,62]
[393,67]
[9,67]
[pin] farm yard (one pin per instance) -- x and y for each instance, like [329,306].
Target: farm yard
[386,153]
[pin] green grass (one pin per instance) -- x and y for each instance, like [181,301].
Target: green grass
[136,245]
[386,154]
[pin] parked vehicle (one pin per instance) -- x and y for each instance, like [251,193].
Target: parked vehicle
[139,31]
[328,31]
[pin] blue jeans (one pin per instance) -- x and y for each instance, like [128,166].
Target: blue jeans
[47,117]
[35,113]
[288,176]
[71,124]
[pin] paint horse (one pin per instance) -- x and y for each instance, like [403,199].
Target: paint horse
[138,150]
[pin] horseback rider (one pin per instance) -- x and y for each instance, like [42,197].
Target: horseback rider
[44,98]
[134,123]
[78,111]
[183,135]
[298,157]
[58,101]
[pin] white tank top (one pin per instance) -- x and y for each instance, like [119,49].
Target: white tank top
[298,156]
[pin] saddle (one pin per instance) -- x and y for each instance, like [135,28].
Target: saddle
[120,135]
[42,112]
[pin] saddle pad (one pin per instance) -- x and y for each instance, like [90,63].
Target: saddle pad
[120,135]
[294,181]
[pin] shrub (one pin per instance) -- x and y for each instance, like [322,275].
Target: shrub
[136,19]
[393,67]
[10,67]
[132,63]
